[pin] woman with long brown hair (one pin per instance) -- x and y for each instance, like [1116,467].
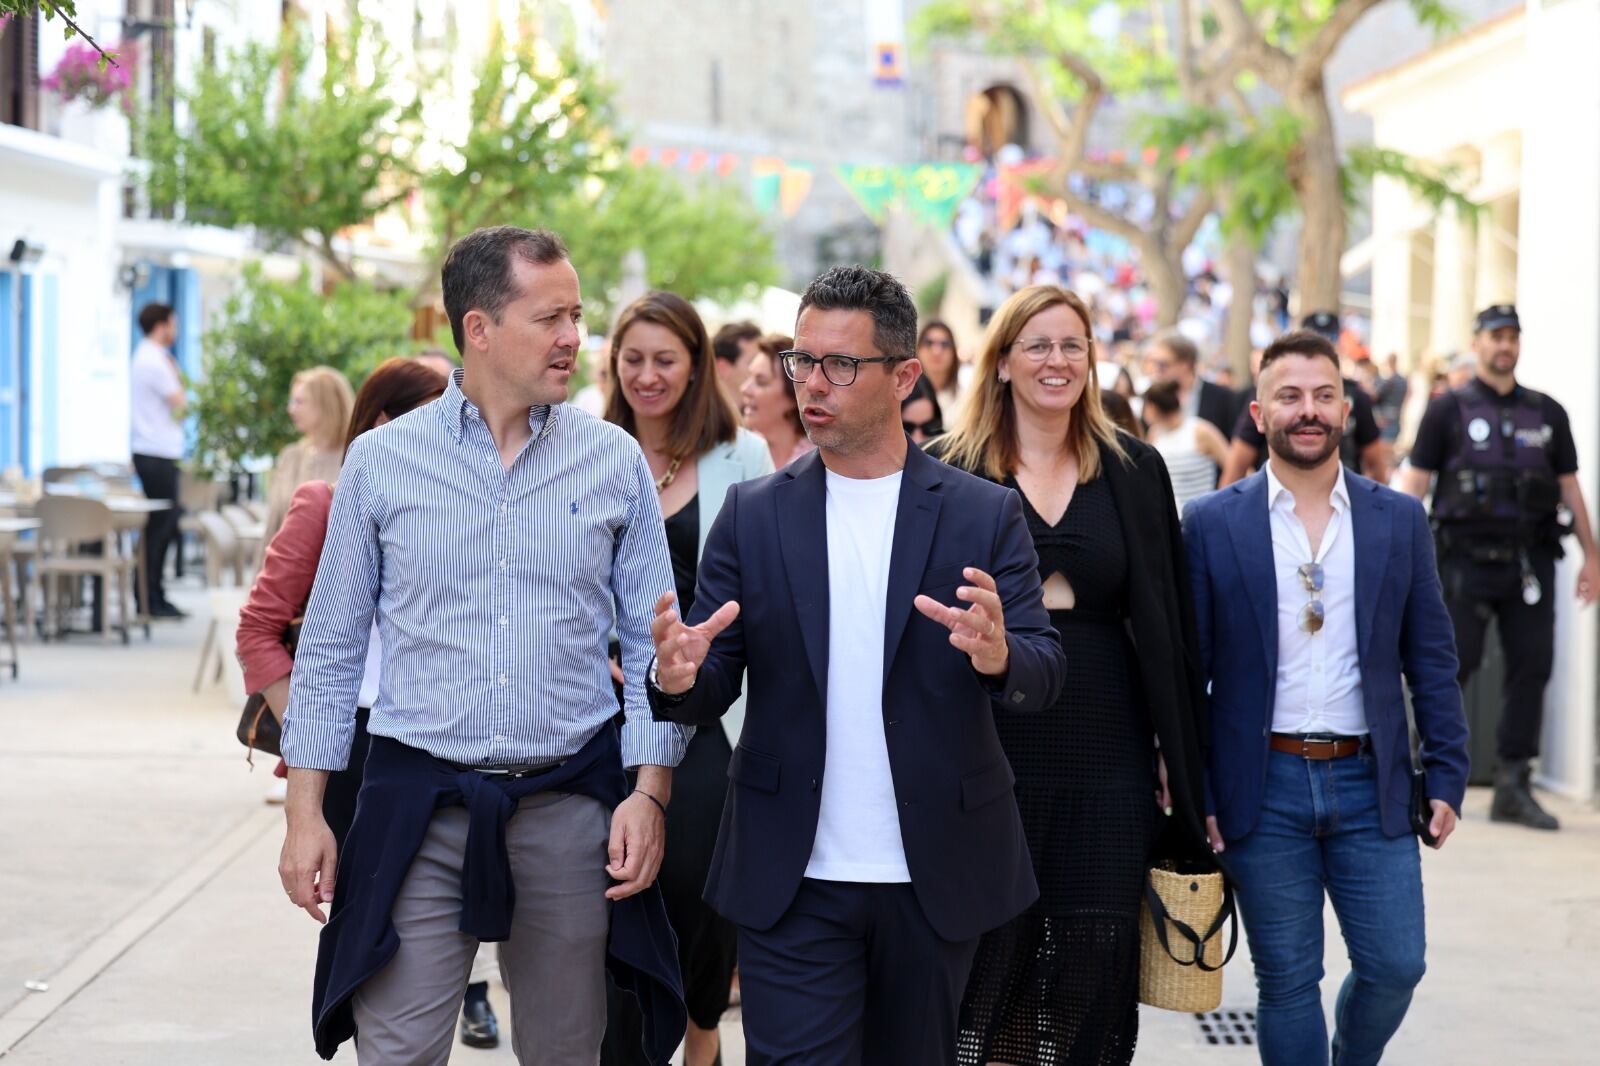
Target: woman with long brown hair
[665,392]
[1059,984]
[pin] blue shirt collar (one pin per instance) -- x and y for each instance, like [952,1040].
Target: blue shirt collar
[457,411]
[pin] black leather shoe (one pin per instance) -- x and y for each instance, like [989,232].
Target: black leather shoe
[478,1025]
[167,610]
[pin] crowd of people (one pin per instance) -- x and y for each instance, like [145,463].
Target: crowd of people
[863,675]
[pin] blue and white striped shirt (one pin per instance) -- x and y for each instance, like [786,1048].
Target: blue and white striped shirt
[495,592]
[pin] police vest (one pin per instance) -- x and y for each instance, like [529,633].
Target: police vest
[1500,469]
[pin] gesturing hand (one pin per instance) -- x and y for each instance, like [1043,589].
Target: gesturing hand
[680,649]
[980,630]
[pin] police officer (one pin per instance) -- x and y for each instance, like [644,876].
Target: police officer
[1362,448]
[1506,465]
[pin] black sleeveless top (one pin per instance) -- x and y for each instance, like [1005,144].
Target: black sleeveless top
[683,544]
[1086,547]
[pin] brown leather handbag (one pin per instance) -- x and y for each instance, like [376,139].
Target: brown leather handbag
[258,728]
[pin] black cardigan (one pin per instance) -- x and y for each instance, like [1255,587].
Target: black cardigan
[1161,625]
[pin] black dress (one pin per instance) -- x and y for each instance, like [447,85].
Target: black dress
[699,788]
[1059,984]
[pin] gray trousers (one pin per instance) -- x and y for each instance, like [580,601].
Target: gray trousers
[553,965]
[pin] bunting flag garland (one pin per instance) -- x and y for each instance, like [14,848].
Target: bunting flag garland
[930,191]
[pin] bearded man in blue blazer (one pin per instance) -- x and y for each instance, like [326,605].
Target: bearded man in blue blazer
[1317,603]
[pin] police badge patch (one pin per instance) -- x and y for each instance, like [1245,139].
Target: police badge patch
[1478,430]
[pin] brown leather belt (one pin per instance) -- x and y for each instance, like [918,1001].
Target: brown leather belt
[1317,748]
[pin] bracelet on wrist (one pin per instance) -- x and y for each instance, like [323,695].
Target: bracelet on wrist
[652,799]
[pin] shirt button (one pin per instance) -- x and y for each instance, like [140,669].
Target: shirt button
[502,564]
[498,738]
[502,507]
[503,679]
[503,621]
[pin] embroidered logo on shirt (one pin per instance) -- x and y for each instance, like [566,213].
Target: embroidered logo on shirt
[574,507]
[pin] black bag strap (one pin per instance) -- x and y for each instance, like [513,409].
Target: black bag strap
[1227,912]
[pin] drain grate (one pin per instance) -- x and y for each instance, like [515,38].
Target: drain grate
[1227,1028]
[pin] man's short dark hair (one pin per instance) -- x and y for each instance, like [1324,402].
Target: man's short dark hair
[1304,342]
[730,339]
[1182,348]
[153,315]
[477,272]
[855,288]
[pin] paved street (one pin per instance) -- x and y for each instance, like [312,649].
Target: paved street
[137,880]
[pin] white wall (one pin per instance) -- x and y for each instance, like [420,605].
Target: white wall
[1558,298]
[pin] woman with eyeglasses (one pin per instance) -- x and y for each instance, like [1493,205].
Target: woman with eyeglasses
[766,400]
[666,393]
[941,365]
[1060,983]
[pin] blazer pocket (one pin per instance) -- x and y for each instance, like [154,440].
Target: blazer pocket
[942,576]
[987,785]
[754,770]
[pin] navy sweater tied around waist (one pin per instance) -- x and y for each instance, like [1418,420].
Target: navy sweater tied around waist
[401,789]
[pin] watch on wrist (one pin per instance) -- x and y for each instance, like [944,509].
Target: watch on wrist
[667,698]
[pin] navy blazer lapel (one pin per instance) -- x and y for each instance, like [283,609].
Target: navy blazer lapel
[1250,529]
[1371,520]
[916,517]
[803,540]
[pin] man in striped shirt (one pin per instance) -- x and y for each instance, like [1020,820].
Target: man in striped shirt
[495,536]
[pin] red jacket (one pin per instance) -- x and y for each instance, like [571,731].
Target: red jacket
[283,586]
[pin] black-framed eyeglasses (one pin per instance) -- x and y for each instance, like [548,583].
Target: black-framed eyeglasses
[840,370]
[1313,614]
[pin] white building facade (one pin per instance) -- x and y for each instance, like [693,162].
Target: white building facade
[1514,103]
[79,261]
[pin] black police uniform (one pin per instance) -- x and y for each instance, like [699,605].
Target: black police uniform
[1498,460]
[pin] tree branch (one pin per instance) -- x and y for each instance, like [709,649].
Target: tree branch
[1072,134]
[1192,219]
[52,10]
[324,245]
[1100,218]
[1185,57]
[1274,64]
[1308,65]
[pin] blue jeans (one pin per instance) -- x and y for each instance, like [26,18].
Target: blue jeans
[1319,830]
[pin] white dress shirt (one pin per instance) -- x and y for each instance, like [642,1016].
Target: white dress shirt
[1319,674]
[153,378]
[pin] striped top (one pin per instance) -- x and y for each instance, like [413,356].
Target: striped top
[1192,471]
[494,591]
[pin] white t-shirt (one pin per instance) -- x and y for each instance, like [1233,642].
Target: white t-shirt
[152,378]
[858,828]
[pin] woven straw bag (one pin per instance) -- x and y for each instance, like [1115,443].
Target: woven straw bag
[1179,968]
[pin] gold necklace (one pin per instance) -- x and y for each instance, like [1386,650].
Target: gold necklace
[670,476]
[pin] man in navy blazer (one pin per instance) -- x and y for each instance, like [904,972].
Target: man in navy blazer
[1315,593]
[884,607]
